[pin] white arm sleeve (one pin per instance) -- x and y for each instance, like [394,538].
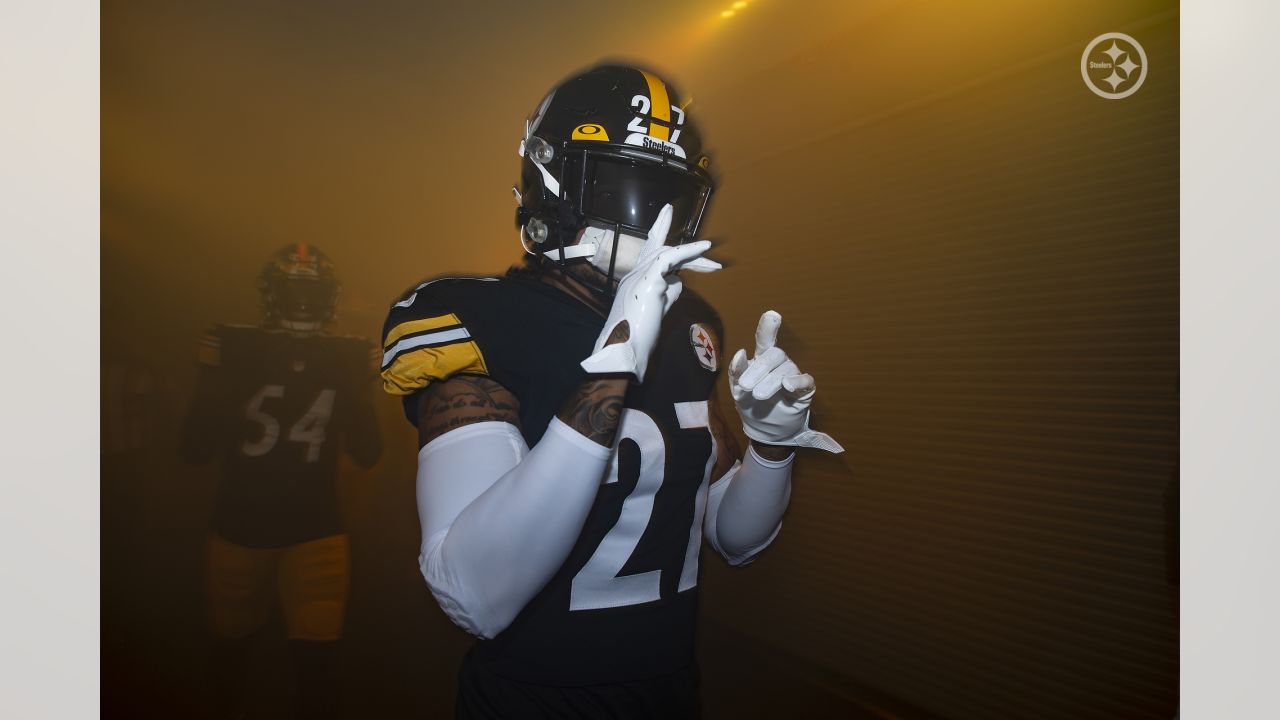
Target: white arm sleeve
[745,507]
[498,520]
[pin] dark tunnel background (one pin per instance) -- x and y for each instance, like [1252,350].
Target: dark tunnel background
[975,256]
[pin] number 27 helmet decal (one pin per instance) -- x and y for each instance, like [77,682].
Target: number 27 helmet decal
[608,148]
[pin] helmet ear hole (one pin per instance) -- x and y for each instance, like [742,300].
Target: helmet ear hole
[539,150]
[536,230]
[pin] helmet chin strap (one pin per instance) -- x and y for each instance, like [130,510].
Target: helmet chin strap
[628,250]
[597,246]
[581,250]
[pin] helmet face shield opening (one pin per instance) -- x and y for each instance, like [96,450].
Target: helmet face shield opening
[626,193]
[302,302]
[303,299]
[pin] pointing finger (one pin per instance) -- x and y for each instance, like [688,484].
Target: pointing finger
[767,331]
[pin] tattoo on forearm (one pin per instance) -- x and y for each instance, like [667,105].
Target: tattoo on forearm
[450,423]
[463,400]
[595,408]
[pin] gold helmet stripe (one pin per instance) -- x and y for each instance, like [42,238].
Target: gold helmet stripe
[660,106]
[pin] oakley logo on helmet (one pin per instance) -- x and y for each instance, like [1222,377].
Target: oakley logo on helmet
[590,131]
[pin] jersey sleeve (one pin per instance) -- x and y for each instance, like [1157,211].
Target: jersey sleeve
[426,340]
[204,421]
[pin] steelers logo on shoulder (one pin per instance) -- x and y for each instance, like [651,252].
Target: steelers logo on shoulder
[704,345]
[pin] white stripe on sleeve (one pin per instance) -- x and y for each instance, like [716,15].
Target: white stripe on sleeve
[431,338]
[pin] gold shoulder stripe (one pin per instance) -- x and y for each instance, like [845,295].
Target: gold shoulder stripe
[415,370]
[415,326]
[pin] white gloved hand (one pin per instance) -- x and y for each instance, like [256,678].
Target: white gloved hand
[772,395]
[643,298]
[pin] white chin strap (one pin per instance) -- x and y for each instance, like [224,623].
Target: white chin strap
[628,250]
[582,249]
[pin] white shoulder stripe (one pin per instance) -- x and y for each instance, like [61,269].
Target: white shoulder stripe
[432,338]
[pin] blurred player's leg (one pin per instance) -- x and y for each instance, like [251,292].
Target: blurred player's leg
[239,585]
[313,591]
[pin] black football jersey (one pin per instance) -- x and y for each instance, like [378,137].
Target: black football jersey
[273,407]
[623,605]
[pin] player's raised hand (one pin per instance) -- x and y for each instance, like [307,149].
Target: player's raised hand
[674,258]
[772,395]
[644,296]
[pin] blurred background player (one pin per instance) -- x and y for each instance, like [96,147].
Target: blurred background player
[273,405]
[572,454]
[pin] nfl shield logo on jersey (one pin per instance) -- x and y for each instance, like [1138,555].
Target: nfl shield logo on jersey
[703,345]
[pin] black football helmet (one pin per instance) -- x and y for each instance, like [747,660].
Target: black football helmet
[299,289]
[609,147]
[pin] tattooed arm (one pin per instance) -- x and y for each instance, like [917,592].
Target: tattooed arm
[593,409]
[498,518]
[463,400]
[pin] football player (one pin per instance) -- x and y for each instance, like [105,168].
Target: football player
[572,455]
[273,404]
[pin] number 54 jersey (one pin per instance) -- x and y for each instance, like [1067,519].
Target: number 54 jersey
[273,408]
[623,605]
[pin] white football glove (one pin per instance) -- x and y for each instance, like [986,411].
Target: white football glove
[644,296]
[772,395]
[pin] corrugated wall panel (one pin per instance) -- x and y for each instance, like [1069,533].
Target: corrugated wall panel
[985,283]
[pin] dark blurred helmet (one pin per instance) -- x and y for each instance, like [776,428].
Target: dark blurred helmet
[299,289]
[608,148]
